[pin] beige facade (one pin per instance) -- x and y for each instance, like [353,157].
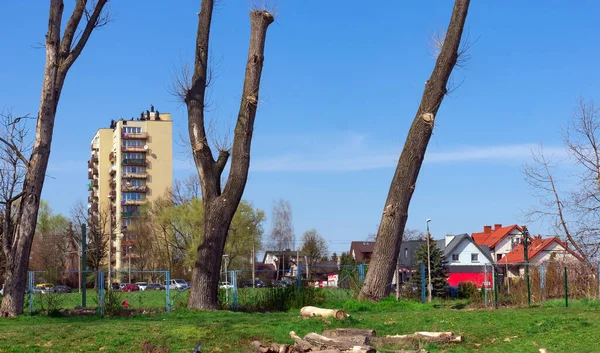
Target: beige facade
[131,164]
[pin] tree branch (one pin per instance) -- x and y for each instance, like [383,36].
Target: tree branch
[222,161]
[71,28]
[16,151]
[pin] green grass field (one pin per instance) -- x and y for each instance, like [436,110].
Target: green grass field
[553,327]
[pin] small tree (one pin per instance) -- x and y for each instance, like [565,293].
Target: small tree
[314,247]
[438,268]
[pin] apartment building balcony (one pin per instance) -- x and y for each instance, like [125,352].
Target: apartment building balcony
[90,164]
[94,159]
[126,243]
[94,207]
[131,136]
[134,162]
[136,188]
[92,198]
[112,170]
[135,175]
[95,183]
[133,149]
[113,193]
[133,202]
[90,175]
[112,157]
[95,170]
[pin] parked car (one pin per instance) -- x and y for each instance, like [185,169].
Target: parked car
[44,288]
[62,289]
[142,285]
[257,283]
[129,287]
[282,283]
[225,285]
[154,286]
[178,284]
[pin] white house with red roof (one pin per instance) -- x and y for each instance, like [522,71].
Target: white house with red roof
[500,240]
[539,250]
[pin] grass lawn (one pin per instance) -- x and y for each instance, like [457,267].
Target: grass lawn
[553,327]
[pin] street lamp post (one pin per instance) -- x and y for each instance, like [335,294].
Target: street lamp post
[129,265]
[428,264]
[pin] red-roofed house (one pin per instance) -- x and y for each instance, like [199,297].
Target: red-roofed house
[539,250]
[500,240]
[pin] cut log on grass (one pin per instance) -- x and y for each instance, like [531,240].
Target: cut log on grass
[313,311]
[346,332]
[272,348]
[342,344]
[434,337]
[300,343]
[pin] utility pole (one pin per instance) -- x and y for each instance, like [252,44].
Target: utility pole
[428,264]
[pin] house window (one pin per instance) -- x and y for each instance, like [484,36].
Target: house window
[455,257]
[498,257]
[406,253]
[474,257]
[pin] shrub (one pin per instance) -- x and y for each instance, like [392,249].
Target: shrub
[467,290]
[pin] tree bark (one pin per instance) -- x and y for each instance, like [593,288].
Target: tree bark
[220,205]
[59,59]
[395,214]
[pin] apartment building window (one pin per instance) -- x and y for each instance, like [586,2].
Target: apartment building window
[132,130]
[132,196]
[133,156]
[135,182]
[455,257]
[132,143]
[133,169]
[133,209]
[126,222]
[474,257]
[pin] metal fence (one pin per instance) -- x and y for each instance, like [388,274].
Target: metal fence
[525,284]
[89,292]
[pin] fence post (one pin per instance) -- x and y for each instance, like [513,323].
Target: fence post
[361,273]
[495,289]
[234,292]
[83,268]
[485,285]
[566,289]
[168,288]
[423,283]
[30,292]
[100,276]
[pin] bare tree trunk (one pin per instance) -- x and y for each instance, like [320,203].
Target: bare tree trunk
[393,220]
[220,205]
[60,56]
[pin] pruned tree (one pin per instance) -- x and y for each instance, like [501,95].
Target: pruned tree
[220,203]
[573,212]
[282,236]
[395,213]
[61,54]
[314,247]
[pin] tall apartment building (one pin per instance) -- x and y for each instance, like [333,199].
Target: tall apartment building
[131,164]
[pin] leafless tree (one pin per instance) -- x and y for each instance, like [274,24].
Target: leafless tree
[282,231]
[97,234]
[61,54]
[220,203]
[13,135]
[395,214]
[573,211]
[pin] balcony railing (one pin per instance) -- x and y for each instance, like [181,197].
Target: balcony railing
[133,149]
[135,175]
[112,170]
[111,156]
[95,170]
[134,162]
[95,182]
[133,202]
[136,188]
[130,136]
[90,175]
[94,159]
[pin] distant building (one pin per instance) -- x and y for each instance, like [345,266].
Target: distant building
[131,163]
[362,251]
[500,240]
[466,260]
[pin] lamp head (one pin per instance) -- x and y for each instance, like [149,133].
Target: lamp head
[428,220]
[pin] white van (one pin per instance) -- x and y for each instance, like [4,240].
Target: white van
[177,284]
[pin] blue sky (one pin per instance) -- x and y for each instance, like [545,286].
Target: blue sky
[340,87]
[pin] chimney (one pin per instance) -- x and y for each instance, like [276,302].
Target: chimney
[497,226]
[449,238]
[487,229]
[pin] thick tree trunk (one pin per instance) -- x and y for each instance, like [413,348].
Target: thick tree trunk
[60,56]
[220,206]
[395,213]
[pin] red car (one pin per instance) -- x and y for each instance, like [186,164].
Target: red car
[128,287]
